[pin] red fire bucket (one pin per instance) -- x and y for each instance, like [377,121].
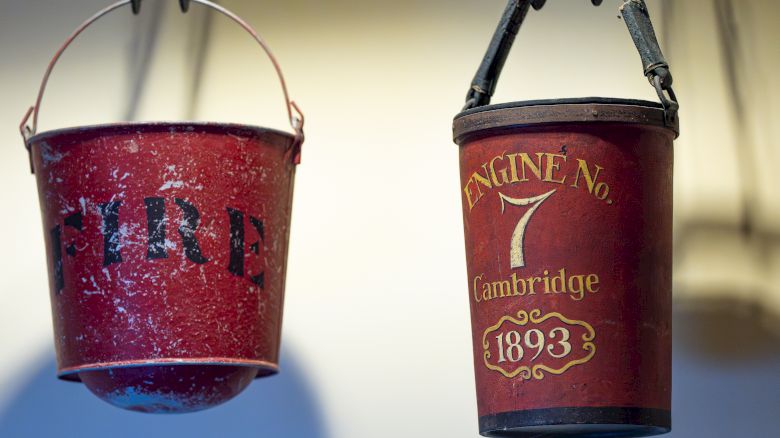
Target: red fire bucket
[166,246]
[567,210]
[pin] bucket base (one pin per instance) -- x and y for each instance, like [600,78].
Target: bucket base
[577,422]
[168,389]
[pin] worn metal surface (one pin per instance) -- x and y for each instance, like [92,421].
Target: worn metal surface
[167,247]
[568,244]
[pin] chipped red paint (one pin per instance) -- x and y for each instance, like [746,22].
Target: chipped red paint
[567,214]
[167,248]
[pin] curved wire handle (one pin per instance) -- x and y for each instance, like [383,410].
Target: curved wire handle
[296,121]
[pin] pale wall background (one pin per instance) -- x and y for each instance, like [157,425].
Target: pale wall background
[376,332]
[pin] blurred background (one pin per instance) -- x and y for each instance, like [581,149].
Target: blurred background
[376,259]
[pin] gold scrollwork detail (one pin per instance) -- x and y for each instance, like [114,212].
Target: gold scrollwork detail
[537,371]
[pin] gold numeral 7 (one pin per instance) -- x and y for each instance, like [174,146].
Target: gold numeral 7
[516,258]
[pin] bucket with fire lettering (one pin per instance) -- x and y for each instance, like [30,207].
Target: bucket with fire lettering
[167,247]
[567,210]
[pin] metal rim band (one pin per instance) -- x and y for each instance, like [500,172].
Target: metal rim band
[71,373]
[485,120]
[652,421]
[274,136]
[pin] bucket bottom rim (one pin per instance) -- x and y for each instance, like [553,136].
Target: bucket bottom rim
[580,431]
[265,368]
[578,421]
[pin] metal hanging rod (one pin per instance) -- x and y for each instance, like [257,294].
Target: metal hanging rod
[183,4]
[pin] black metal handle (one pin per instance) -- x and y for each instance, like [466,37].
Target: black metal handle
[484,84]
[656,69]
[637,19]
[183,4]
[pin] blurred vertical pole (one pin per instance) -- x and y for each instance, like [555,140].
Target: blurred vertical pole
[730,39]
[168,59]
[146,29]
[726,57]
[200,35]
[756,41]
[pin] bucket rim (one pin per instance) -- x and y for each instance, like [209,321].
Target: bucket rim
[263,366]
[563,101]
[486,120]
[276,136]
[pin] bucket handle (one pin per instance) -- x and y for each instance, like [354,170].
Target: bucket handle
[296,118]
[637,19]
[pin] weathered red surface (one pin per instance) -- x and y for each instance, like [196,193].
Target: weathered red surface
[614,248]
[166,246]
[168,389]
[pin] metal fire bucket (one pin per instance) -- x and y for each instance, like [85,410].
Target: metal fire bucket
[167,247]
[567,211]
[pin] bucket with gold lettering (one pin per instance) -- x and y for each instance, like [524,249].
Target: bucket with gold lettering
[567,210]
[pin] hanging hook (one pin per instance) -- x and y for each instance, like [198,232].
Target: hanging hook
[183,4]
[538,4]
